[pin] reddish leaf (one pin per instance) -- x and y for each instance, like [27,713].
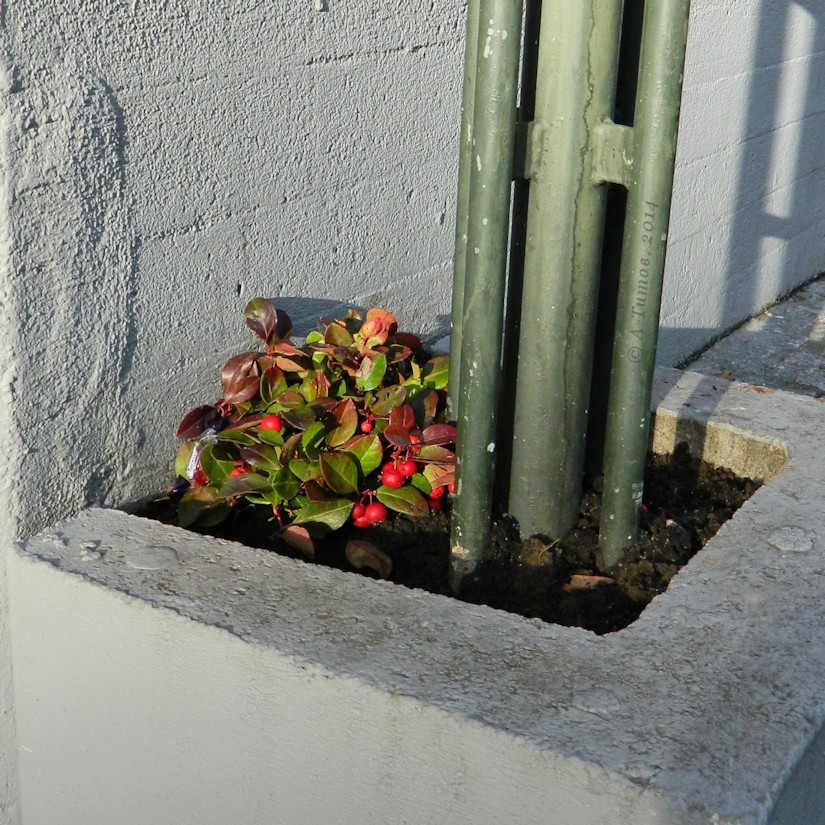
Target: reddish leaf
[435,455]
[196,421]
[439,434]
[320,382]
[403,417]
[299,417]
[362,553]
[299,538]
[268,323]
[398,435]
[344,424]
[290,399]
[244,389]
[290,448]
[406,339]
[239,368]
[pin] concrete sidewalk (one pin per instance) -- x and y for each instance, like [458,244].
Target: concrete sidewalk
[783,348]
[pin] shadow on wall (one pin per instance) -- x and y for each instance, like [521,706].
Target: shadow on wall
[781,178]
[778,214]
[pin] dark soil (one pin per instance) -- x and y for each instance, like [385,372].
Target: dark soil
[686,501]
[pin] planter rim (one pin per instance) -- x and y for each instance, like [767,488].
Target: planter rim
[706,703]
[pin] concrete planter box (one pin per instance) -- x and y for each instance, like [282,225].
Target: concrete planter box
[168,678]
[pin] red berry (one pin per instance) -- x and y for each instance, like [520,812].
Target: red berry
[272,422]
[242,470]
[437,492]
[376,512]
[362,522]
[435,503]
[451,487]
[358,511]
[199,478]
[366,426]
[407,468]
[392,478]
[415,438]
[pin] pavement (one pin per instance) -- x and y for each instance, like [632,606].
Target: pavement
[783,348]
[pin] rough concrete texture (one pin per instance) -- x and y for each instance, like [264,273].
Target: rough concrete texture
[702,711]
[783,347]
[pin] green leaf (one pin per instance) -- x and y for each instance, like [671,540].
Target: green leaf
[312,439]
[420,482]
[197,502]
[299,417]
[367,451]
[362,553]
[262,456]
[387,399]
[183,458]
[437,372]
[308,389]
[337,336]
[217,471]
[236,436]
[285,484]
[315,337]
[305,470]
[340,472]
[241,485]
[344,423]
[273,383]
[333,514]
[405,500]
[371,372]
[274,439]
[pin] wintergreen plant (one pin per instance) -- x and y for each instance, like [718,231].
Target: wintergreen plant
[348,426]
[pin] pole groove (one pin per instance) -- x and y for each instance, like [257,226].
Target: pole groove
[493,141]
[664,38]
[463,203]
[577,67]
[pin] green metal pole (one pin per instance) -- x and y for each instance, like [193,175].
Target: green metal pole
[463,203]
[664,37]
[494,130]
[578,58]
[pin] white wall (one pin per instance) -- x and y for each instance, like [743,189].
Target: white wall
[748,216]
[170,161]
